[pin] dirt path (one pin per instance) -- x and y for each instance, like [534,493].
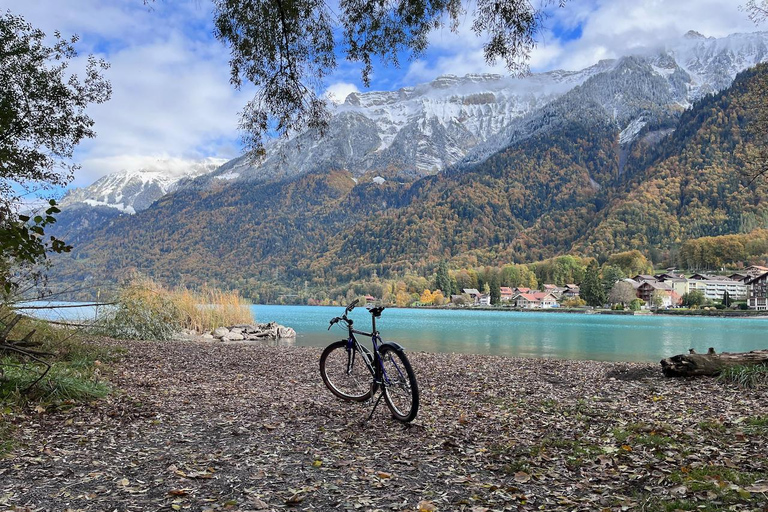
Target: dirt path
[200,426]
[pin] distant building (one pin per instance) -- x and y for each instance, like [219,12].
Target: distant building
[571,291]
[535,300]
[506,293]
[714,287]
[758,292]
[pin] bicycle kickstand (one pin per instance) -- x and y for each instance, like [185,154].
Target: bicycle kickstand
[381,395]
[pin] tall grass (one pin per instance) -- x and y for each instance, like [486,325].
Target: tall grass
[74,373]
[147,311]
[747,376]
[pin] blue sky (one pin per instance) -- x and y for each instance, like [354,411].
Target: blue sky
[173,103]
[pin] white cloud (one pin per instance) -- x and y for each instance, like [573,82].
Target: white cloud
[170,78]
[609,29]
[339,91]
[172,97]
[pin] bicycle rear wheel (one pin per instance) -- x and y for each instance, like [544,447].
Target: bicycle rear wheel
[400,389]
[345,372]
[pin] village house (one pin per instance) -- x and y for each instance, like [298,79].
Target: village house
[647,289]
[553,289]
[571,291]
[756,270]
[480,299]
[758,292]
[535,300]
[506,293]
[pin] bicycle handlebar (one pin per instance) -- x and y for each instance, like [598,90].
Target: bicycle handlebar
[351,306]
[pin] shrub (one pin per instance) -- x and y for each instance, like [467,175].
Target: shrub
[636,304]
[144,311]
[574,302]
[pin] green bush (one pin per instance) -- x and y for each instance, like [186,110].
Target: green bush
[636,304]
[143,312]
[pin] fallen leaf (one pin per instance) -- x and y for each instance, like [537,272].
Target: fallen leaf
[522,477]
[426,506]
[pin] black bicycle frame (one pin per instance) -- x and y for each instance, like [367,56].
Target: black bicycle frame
[353,346]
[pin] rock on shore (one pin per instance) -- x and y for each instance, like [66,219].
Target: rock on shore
[268,331]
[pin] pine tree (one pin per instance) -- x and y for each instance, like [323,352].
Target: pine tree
[443,280]
[591,289]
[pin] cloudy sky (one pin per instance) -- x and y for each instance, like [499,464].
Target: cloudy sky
[172,101]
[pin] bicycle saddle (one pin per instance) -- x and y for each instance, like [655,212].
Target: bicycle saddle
[376,312]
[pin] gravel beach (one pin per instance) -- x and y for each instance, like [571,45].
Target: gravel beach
[205,426]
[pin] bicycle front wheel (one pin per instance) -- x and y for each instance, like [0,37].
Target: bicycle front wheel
[345,371]
[400,389]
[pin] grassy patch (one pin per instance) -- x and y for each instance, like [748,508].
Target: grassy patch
[749,376]
[708,489]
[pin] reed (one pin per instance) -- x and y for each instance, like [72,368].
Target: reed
[146,310]
[208,309]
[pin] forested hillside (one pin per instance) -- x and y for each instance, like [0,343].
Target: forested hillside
[572,188]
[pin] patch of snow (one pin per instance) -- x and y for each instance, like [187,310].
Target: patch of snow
[228,176]
[119,206]
[378,180]
[629,133]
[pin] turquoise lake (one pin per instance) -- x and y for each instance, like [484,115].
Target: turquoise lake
[513,333]
[531,334]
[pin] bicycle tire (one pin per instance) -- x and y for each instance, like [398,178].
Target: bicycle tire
[354,386]
[401,392]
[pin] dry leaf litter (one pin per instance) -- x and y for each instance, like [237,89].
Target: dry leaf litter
[206,427]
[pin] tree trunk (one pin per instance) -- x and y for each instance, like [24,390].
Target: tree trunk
[693,364]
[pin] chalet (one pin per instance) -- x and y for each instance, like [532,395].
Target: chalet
[740,276]
[535,300]
[646,289]
[644,277]
[757,297]
[756,270]
[484,300]
[474,293]
[571,291]
[667,275]
[506,293]
[480,299]
[370,299]
[522,289]
[553,289]
[669,297]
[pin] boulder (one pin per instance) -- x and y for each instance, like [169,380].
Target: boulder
[267,331]
[220,332]
[233,336]
[285,332]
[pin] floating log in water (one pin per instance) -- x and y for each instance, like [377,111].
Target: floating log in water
[711,363]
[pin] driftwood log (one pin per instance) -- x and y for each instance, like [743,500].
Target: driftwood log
[711,363]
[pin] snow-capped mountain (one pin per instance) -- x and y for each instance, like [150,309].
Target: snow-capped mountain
[424,129]
[129,191]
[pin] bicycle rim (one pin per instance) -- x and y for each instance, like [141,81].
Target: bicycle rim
[345,372]
[400,389]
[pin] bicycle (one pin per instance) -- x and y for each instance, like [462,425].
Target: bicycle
[354,373]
